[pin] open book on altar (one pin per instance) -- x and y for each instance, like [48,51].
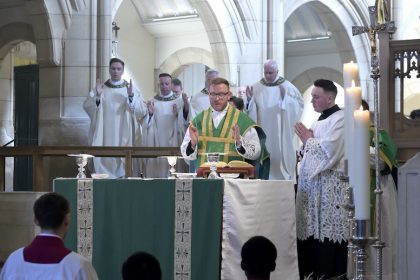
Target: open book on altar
[241,168]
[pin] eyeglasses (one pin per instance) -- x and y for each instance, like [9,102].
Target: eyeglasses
[218,94]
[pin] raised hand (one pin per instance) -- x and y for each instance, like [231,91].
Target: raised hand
[186,107]
[130,89]
[282,91]
[303,133]
[185,98]
[175,110]
[150,107]
[193,134]
[236,134]
[249,92]
[99,88]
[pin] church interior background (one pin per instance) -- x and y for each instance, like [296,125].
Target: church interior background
[70,42]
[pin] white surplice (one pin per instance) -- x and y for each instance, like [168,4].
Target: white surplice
[114,122]
[162,129]
[277,117]
[320,194]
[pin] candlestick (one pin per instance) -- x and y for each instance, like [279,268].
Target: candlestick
[361,166]
[350,73]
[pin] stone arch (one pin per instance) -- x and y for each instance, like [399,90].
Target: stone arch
[180,59]
[12,34]
[349,14]
[307,78]
[225,22]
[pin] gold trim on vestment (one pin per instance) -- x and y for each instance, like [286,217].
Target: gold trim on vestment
[204,132]
[226,123]
[110,85]
[205,91]
[217,139]
[279,81]
[162,98]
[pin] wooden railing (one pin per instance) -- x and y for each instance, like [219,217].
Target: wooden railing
[40,152]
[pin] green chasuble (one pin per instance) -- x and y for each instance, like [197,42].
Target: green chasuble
[219,139]
[388,153]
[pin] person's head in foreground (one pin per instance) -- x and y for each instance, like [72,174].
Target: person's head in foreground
[51,212]
[141,266]
[258,258]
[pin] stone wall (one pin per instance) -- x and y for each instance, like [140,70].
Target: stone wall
[17,228]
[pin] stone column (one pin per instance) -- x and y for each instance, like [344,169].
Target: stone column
[278,34]
[85,53]
[104,41]
[6,113]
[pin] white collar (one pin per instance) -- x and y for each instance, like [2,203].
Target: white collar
[220,112]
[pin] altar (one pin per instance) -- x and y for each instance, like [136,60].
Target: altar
[194,227]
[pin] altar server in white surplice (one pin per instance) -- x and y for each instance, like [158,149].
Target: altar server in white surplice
[162,126]
[114,108]
[320,216]
[276,105]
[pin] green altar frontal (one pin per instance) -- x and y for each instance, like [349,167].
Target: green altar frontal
[111,219]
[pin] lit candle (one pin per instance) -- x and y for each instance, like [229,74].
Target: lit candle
[350,73]
[361,186]
[352,101]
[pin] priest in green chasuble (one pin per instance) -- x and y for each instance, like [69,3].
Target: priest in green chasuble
[224,129]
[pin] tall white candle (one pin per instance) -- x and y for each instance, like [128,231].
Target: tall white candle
[350,73]
[361,186]
[352,101]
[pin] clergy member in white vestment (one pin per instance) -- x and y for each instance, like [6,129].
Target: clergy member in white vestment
[114,109]
[200,100]
[161,126]
[46,258]
[276,105]
[320,217]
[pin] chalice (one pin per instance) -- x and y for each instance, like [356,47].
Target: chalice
[172,162]
[81,161]
[213,158]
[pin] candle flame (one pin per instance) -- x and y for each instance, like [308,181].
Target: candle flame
[353,84]
[361,108]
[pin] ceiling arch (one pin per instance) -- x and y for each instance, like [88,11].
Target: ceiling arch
[179,60]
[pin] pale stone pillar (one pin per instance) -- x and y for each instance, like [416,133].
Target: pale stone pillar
[6,113]
[6,99]
[104,20]
[85,54]
[278,34]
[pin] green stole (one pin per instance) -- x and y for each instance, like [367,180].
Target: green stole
[211,139]
[388,153]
